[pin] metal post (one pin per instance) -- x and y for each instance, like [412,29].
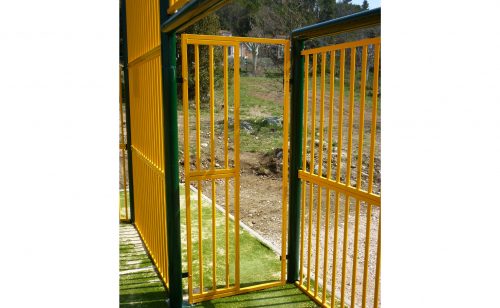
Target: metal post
[171,157]
[124,61]
[297,110]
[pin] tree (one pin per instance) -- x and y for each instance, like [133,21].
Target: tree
[365,5]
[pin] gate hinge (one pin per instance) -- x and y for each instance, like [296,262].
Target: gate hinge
[285,257]
[123,146]
[185,275]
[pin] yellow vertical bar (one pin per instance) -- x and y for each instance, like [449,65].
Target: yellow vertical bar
[237,163]
[362,115]
[311,189]
[212,161]
[198,157]
[284,213]
[329,171]
[374,117]
[344,251]
[148,20]
[151,118]
[304,159]
[358,178]
[367,253]
[187,190]
[321,113]
[352,86]
[377,271]
[335,245]
[148,205]
[197,103]
[226,158]
[311,167]
[150,132]
[320,168]
[341,114]
[313,116]
[355,257]
[156,120]
[165,230]
[160,114]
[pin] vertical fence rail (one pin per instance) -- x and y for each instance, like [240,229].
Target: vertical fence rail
[340,272]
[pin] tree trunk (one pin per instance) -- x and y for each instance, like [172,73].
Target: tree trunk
[254,56]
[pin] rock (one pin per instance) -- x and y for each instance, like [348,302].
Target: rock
[246,126]
[279,153]
[272,121]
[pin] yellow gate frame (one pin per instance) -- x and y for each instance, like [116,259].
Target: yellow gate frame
[225,172]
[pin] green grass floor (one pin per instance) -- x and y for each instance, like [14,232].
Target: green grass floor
[258,263]
[140,286]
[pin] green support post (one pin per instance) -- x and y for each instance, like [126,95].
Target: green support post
[171,157]
[297,110]
[125,97]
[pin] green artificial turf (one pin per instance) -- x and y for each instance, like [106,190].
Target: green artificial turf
[140,285]
[284,296]
[258,263]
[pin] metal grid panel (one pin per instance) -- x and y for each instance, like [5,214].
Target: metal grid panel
[338,203]
[143,27]
[146,112]
[230,284]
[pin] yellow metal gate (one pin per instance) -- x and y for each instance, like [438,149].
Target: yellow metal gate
[340,206]
[203,284]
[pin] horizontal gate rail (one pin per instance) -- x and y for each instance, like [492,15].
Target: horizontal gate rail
[323,236]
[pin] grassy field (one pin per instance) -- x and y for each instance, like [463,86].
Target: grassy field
[262,98]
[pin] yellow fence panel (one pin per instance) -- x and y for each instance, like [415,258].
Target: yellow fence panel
[211,284]
[340,201]
[146,117]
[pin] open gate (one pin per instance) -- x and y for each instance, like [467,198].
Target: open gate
[204,281]
[340,201]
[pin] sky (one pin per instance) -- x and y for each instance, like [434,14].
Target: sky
[372,3]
